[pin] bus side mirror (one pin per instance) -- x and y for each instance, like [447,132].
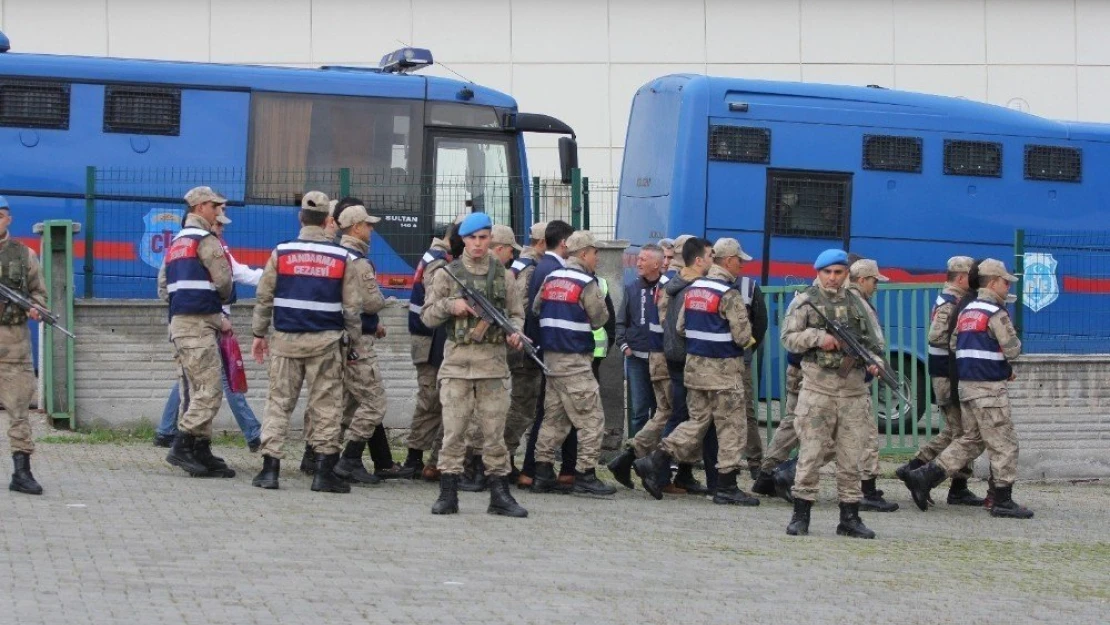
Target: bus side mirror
[568,157]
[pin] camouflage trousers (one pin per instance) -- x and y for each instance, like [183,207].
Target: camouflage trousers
[468,403]
[722,408]
[323,410]
[17,388]
[786,435]
[202,385]
[522,404]
[753,442]
[953,426]
[648,438]
[364,398]
[572,401]
[987,425]
[427,418]
[842,421]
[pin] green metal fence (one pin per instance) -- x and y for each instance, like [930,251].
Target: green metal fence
[904,311]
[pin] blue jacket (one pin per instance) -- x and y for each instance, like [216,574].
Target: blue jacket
[637,320]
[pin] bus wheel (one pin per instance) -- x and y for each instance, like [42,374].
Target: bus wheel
[894,417]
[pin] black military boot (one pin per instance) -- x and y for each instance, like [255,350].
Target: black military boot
[764,484]
[988,501]
[202,451]
[501,500]
[799,523]
[728,493]
[903,471]
[448,502]
[163,440]
[268,477]
[684,479]
[181,455]
[960,495]
[546,481]
[350,466]
[873,498]
[922,480]
[22,480]
[415,461]
[1005,506]
[783,475]
[850,524]
[586,483]
[325,480]
[621,467]
[308,460]
[474,478]
[650,468]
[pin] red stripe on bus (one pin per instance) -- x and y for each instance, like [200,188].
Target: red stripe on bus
[1073,284]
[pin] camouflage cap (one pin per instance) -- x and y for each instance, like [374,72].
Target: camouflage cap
[960,264]
[316,201]
[580,240]
[727,247]
[503,235]
[539,231]
[995,269]
[680,240]
[867,268]
[356,215]
[200,195]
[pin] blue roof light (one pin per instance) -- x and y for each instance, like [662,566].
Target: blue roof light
[405,60]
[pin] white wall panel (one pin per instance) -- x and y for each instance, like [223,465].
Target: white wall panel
[1094,94]
[656,31]
[1092,23]
[130,33]
[569,31]
[939,32]
[752,31]
[759,71]
[463,31]
[576,94]
[1050,91]
[261,31]
[346,32]
[34,26]
[497,76]
[847,31]
[1030,31]
[843,74]
[965,81]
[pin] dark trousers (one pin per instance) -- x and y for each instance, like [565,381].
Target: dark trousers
[379,449]
[677,371]
[569,448]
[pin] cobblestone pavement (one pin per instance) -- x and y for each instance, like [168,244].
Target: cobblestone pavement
[122,537]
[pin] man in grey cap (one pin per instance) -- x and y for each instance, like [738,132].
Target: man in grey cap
[526,374]
[570,306]
[941,366]
[985,343]
[196,280]
[310,293]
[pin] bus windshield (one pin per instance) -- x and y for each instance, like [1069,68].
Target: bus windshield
[473,173]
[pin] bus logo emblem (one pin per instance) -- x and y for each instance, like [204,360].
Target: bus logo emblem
[162,225]
[1041,287]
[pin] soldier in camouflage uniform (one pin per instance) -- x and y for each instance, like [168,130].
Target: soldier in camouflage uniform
[833,403]
[941,363]
[527,379]
[985,343]
[714,320]
[474,376]
[310,292]
[196,279]
[570,306]
[19,270]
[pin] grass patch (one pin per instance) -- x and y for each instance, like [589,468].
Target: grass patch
[141,434]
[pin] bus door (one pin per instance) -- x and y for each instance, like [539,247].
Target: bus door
[471,172]
[807,212]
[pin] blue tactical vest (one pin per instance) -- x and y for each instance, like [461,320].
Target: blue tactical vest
[520,264]
[979,357]
[369,322]
[416,302]
[707,332]
[938,356]
[308,296]
[190,286]
[564,325]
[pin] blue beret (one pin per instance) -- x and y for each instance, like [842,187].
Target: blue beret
[831,257]
[473,223]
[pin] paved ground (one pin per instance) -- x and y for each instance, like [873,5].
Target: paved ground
[121,537]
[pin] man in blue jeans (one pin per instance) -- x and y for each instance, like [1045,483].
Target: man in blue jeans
[244,416]
[639,334]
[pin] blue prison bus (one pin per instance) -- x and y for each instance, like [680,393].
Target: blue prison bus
[790,169]
[419,149]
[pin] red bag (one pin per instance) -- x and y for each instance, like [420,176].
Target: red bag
[233,362]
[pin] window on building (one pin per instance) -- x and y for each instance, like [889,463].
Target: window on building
[972,158]
[1046,162]
[740,144]
[34,104]
[809,204]
[888,153]
[142,110]
[301,142]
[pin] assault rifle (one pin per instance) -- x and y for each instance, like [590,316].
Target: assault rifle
[490,315]
[26,303]
[856,351]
